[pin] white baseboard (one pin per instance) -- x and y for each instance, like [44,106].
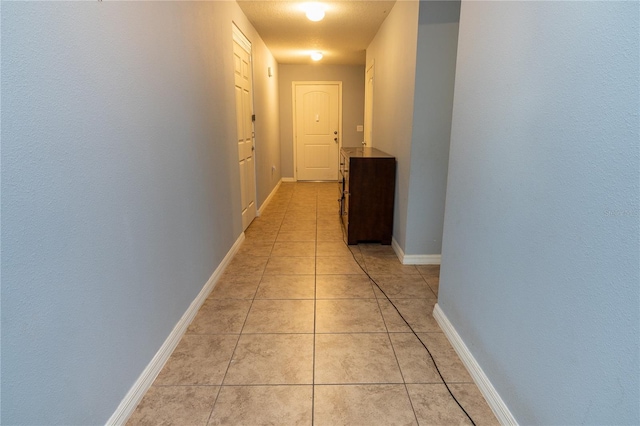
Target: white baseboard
[144,382]
[414,259]
[421,259]
[494,400]
[288,179]
[266,202]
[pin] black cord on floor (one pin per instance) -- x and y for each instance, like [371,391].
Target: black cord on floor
[408,325]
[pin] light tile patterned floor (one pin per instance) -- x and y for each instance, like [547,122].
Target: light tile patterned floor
[296,334]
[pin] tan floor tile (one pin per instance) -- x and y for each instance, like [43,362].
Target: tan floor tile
[247,265]
[198,360]
[415,363]
[334,230]
[272,359]
[298,225]
[337,265]
[277,204]
[297,236]
[431,271]
[220,316]
[329,222]
[434,284]
[343,287]
[255,248]
[302,211]
[334,235]
[236,287]
[294,248]
[261,225]
[355,358]
[254,237]
[362,405]
[263,405]
[292,253]
[418,312]
[274,214]
[175,405]
[348,316]
[332,249]
[306,204]
[403,287]
[261,233]
[387,266]
[298,228]
[280,316]
[434,405]
[329,213]
[286,287]
[290,266]
[377,250]
[298,216]
[452,369]
[474,403]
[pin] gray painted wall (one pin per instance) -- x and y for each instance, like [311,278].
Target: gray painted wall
[432,107]
[540,258]
[352,77]
[120,191]
[393,50]
[266,106]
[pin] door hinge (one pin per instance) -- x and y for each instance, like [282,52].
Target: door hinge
[253,117]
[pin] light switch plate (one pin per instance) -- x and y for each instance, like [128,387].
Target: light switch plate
[359,128]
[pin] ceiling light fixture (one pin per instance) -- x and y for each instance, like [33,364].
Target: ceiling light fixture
[314,11]
[316,56]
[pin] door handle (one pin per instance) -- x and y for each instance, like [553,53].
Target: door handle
[335,139]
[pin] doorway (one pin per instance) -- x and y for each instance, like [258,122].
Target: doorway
[317,129]
[244,124]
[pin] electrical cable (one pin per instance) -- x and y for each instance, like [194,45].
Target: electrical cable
[408,325]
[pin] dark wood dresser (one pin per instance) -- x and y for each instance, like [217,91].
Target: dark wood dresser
[367,183]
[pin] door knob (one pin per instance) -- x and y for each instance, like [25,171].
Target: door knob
[335,139]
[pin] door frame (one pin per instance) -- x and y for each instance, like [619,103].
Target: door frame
[294,85]
[244,42]
[368,103]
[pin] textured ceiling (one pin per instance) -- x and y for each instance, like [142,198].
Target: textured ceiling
[342,36]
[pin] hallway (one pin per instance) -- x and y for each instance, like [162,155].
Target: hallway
[295,333]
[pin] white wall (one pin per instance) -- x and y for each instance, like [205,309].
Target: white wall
[435,72]
[352,78]
[540,259]
[393,50]
[120,190]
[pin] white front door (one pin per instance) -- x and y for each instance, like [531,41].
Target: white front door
[317,127]
[244,108]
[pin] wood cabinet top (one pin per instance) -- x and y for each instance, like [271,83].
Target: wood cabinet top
[365,153]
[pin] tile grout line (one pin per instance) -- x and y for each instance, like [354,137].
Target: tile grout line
[315,319]
[393,348]
[239,335]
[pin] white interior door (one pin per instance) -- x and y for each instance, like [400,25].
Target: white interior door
[317,131]
[244,110]
[368,108]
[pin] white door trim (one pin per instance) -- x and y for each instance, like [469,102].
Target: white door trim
[368,104]
[240,38]
[294,85]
